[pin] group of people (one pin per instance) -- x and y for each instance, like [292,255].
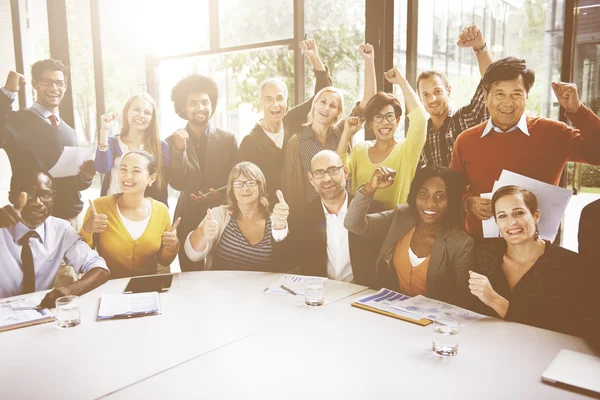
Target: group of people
[298,195]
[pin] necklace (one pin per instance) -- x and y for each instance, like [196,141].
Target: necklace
[424,245]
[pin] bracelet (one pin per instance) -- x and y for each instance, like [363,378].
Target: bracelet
[466,205]
[481,50]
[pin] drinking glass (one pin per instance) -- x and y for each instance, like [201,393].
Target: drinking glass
[68,312]
[445,337]
[314,292]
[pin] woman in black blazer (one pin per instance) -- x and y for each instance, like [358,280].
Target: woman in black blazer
[425,251]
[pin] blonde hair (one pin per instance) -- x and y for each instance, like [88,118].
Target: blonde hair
[152,143]
[309,119]
[251,171]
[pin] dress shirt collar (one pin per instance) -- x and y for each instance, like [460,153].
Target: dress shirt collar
[20,229]
[45,113]
[522,125]
[341,213]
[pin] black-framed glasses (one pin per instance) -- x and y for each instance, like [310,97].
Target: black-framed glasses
[49,82]
[240,184]
[331,171]
[389,117]
[43,195]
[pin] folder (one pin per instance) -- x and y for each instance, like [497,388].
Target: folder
[122,306]
[383,301]
[21,313]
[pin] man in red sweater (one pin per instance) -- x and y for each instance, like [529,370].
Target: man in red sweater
[531,146]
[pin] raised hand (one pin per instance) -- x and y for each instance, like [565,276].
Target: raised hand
[367,52]
[106,127]
[169,239]
[482,208]
[281,211]
[471,36]
[352,125]
[210,226]
[9,215]
[567,96]
[14,82]
[382,178]
[212,194]
[394,76]
[88,169]
[95,223]
[180,138]
[309,48]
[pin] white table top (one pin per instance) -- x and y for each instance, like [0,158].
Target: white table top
[220,337]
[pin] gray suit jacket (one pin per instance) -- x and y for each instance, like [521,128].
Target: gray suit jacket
[452,254]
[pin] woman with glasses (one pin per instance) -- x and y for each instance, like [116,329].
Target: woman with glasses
[131,231]
[425,251]
[242,234]
[322,131]
[139,132]
[382,114]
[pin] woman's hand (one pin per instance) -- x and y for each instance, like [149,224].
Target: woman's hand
[210,226]
[95,223]
[169,239]
[281,211]
[394,76]
[309,48]
[382,177]
[481,287]
[352,125]
[367,52]
[106,126]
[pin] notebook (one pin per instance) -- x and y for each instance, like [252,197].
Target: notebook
[13,314]
[386,302]
[119,306]
[574,369]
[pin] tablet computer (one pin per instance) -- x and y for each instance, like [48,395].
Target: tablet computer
[151,283]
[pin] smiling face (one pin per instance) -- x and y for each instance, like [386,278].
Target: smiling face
[515,221]
[328,187]
[506,102]
[50,89]
[432,201]
[434,95]
[385,129]
[134,176]
[139,114]
[198,109]
[274,103]
[40,200]
[327,108]
[249,192]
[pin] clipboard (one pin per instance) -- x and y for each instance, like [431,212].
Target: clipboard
[421,322]
[121,306]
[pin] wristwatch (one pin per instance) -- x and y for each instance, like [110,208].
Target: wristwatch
[481,50]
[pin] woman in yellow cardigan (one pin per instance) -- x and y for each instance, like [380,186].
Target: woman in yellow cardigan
[132,232]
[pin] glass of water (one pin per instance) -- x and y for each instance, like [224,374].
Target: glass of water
[314,292]
[445,337]
[68,312]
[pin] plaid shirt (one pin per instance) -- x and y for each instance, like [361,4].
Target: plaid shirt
[439,144]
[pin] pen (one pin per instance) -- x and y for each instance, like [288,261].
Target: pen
[10,302]
[36,308]
[287,289]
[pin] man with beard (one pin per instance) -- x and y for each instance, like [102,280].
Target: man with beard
[445,124]
[33,243]
[324,246]
[201,157]
[35,137]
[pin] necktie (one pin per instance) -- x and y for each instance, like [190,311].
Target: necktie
[27,260]
[53,120]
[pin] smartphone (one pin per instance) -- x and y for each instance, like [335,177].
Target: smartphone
[152,283]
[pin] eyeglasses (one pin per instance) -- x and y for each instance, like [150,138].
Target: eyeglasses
[50,82]
[389,117]
[240,184]
[44,195]
[331,171]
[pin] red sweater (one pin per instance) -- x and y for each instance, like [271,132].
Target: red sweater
[541,156]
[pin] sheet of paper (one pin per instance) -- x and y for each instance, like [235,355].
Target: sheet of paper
[128,304]
[435,309]
[490,229]
[293,282]
[10,315]
[552,201]
[390,301]
[70,160]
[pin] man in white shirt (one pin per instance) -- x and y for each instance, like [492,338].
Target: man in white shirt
[33,244]
[324,245]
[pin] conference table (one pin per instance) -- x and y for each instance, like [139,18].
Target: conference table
[221,337]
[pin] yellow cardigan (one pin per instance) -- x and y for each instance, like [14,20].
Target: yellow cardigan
[124,256]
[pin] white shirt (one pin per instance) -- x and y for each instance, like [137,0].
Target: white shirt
[135,228]
[57,241]
[522,125]
[339,267]
[277,138]
[113,186]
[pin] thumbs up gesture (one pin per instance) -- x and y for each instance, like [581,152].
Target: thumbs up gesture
[95,223]
[169,239]
[210,226]
[11,215]
[281,211]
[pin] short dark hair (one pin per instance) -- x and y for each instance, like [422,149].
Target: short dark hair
[22,180]
[37,69]
[508,69]
[455,185]
[529,198]
[380,100]
[195,83]
[428,74]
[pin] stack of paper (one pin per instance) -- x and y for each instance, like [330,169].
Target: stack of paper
[388,302]
[294,283]
[116,306]
[21,313]
[435,309]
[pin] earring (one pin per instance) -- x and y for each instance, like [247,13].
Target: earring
[536,235]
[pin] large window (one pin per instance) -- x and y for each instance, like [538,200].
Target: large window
[7,63]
